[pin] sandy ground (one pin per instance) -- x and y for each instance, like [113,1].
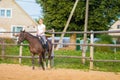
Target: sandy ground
[20,72]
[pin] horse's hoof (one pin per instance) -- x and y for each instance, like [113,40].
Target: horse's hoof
[44,69]
[33,68]
[49,67]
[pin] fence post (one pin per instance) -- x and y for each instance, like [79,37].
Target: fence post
[53,41]
[91,49]
[3,49]
[20,54]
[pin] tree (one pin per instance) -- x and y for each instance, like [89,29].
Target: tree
[56,13]
[101,13]
[104,39]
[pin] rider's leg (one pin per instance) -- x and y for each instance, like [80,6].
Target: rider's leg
[44,39]
[45,42]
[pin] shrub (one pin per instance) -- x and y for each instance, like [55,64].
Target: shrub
[104,39]
[7,40]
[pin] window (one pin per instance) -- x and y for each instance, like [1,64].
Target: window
[2,13]
[8,13]
[5,12]
[118,26]
[16,29]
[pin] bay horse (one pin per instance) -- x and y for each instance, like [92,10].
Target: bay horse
[35,47]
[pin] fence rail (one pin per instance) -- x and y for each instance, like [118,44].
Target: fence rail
[111,45]
[91,44]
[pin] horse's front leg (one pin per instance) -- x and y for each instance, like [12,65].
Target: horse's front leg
[41,61]
[33,62]
[44,61]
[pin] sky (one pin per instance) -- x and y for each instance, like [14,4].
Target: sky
[31,7]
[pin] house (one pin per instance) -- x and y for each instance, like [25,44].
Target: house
[13,19]
[115,27]
[116,36]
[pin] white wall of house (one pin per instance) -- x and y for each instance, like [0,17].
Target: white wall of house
[115,27]
[12,16]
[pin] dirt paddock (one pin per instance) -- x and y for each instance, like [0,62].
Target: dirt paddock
[20,72]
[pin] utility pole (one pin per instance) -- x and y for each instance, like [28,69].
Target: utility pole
[85,34]
[66,26]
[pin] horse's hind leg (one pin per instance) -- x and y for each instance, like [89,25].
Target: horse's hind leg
[33,62]
[49,62]
[50,59]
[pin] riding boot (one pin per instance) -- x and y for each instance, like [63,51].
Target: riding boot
[46,48]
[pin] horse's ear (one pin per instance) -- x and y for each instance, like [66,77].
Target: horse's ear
[23,30]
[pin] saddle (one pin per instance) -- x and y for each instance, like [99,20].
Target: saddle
[44,44]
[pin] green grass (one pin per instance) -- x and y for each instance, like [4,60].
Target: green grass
[77,63]
[69,63]
[107,66]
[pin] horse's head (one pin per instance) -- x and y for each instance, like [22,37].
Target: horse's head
[21,37]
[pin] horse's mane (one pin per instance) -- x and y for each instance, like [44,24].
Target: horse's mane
[30,35]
